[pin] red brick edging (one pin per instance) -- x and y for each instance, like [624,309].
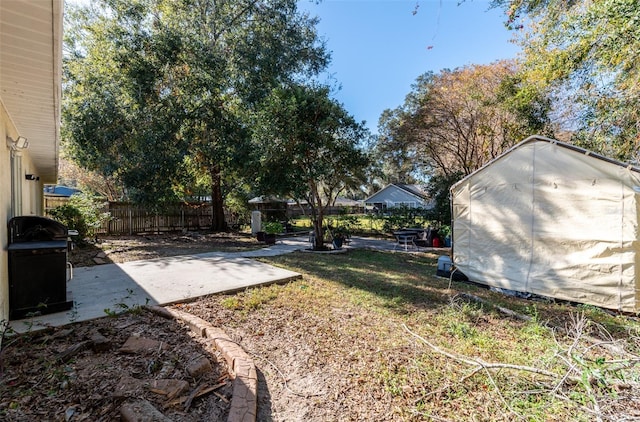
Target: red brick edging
[244,401]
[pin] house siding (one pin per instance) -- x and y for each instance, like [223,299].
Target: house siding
[392,196]
[18,196]
[5,213]
[30,31]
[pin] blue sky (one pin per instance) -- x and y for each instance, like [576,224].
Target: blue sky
[379,47]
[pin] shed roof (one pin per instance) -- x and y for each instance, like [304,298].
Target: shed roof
[539,138]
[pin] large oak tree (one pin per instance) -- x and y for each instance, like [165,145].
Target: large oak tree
[154,84]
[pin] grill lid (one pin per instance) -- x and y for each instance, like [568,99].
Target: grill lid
[35,229]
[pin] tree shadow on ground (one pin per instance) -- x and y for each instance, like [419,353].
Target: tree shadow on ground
[406,282]
[265,411]
[398,277]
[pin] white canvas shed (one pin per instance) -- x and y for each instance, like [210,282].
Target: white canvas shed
[551,219]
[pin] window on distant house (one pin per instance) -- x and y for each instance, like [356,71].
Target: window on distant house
[409,204]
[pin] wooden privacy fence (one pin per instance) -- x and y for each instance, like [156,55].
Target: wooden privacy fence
[127,218]
[133,219]
[51,202]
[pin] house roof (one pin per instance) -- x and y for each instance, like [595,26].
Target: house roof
[414,190]
[538,138]
[30,77]
[265,200]
[340,201]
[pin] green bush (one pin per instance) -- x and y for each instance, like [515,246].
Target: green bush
[273,227]
[83,213]
[70,216]
[403,216]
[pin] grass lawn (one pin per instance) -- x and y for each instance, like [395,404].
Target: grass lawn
[359,223]
[405,346]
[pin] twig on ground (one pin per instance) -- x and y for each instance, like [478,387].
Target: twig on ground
[478,363]
[198,391]
[284,379]
[580,369]
[501,309]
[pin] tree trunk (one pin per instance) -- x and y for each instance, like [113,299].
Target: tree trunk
[318,235]
[218,224]
[318,231]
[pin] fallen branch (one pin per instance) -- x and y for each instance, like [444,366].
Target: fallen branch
[480,364]
[221,397]
[501,309]
[578,368]
[73,350]
[199,391]
[284,379]
[610,345]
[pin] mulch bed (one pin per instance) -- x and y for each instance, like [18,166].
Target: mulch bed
[102,369]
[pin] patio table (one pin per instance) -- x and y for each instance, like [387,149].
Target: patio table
[404,239]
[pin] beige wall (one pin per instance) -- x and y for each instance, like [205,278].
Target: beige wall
[31,189]
[30,90]
[5,213]
[31,200]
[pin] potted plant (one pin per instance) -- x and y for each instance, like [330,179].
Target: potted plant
[272,228]
[339,235]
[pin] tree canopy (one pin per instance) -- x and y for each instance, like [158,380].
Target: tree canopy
[456,121]
[587,52]
[157,88]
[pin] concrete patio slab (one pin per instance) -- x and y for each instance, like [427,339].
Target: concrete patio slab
[113,288]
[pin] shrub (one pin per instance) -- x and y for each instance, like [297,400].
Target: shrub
[273,227]
[83,213]
[402,216]
[70,216]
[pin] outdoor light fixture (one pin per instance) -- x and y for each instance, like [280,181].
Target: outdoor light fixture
[20,143]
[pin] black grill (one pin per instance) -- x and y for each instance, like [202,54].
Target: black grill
[37,266]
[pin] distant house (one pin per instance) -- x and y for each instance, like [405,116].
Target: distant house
[341,201]
[56,196]
[398,194]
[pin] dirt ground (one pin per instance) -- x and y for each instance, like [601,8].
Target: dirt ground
[64,374]
[91,371]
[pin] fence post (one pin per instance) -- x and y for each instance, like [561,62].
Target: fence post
[130,220]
